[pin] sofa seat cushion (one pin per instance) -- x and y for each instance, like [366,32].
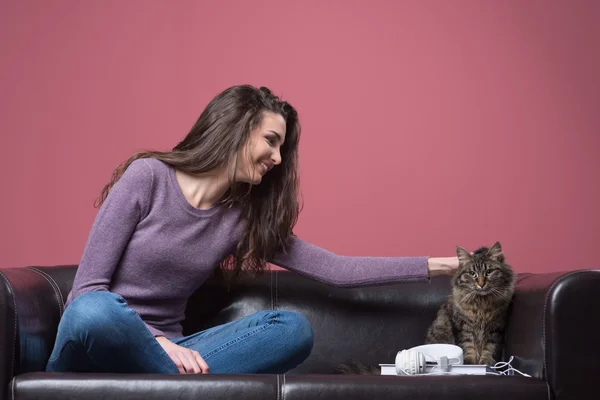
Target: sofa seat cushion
[80,386]
[364,387]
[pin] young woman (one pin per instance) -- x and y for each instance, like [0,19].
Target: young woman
[224,196]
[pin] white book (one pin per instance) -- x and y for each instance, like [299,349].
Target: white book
[470,369]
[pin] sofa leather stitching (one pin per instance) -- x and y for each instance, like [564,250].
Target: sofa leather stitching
[12,387]
[54,285]
[278,391]
[12,294]
[283,387]
[52,281]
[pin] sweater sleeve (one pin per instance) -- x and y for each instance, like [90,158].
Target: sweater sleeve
[349,271]
[127,202]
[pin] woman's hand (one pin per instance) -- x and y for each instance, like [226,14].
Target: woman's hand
[187,361]
[442,265]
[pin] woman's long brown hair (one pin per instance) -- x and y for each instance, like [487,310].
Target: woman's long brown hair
[270,209]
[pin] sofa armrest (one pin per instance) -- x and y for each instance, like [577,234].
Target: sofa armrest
[31,304]
[8,332]
[552,330]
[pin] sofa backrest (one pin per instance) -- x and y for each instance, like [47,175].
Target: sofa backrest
[370,324]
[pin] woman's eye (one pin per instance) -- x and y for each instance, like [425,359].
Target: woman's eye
[270,140]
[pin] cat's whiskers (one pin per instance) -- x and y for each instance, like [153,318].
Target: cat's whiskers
[500,294]
[467,297]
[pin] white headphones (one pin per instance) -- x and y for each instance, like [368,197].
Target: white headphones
[410,362]
[422,359]
[438,358]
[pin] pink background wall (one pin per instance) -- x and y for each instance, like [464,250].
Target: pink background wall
[426,125]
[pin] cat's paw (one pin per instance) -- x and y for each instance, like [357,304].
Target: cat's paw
[489,361]
[470,358]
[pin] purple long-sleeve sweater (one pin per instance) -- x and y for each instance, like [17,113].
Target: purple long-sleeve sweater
[151,246]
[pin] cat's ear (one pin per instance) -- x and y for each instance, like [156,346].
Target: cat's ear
[495,252]
[463,255]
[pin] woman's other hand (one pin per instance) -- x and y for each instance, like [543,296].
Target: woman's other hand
[187,361]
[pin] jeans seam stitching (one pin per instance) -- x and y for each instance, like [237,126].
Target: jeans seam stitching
[136,315]
[192,343]
[239,339]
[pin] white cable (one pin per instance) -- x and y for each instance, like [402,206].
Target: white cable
[497,366]
[503,364]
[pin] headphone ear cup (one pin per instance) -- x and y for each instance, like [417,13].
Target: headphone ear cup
[410,362]
[415,364]
[421,363]
[403,362]
[414,361]
[400,363]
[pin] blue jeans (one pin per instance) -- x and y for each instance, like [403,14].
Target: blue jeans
[99,333]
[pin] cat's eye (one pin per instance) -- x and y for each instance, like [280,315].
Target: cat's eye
[473,274]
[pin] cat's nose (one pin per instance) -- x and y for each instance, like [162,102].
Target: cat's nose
[481,282]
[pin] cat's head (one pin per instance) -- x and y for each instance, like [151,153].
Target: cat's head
[484,273]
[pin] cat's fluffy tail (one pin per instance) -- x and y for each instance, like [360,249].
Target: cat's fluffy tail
[356,368]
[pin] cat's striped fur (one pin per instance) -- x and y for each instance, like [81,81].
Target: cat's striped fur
[474,315]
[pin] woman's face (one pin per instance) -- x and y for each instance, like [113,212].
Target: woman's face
[263,150]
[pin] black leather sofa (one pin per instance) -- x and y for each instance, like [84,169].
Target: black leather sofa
[552,334]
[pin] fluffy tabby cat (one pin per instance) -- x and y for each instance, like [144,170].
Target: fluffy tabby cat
[474,315]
